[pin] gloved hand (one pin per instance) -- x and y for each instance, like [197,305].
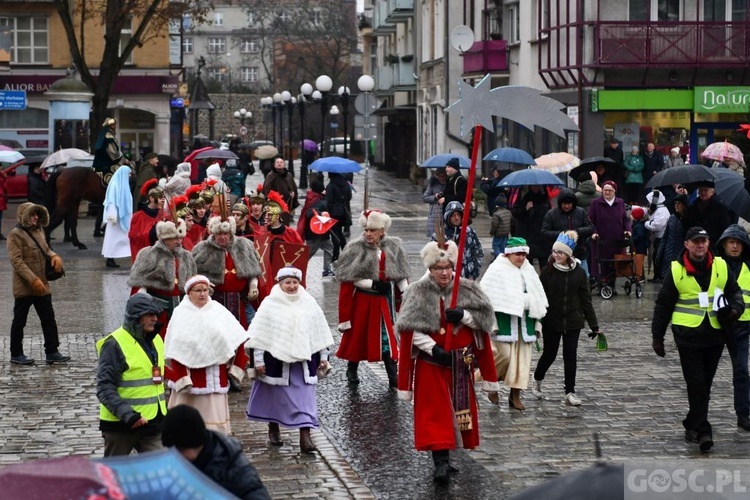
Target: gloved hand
[441,356]
[252,292]
[56,263]
[454,315]
[726,315]
[593,333]
[658,346]
[381,286]
[38,287]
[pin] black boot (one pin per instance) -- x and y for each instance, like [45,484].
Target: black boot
[351,372]
[391,369]
[274,436]
[441,458]
[305,442]
[112,263]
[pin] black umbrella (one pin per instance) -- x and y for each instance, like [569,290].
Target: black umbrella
[600,481]
[681,174]
[588,164]
[731,192]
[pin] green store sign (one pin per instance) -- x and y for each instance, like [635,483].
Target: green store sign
[721,100]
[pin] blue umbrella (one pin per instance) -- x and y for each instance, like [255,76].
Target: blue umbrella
[530,177]
[162,474]
[510,155]
[438,161]
[335,164]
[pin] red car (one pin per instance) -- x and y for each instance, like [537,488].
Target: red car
[16,182]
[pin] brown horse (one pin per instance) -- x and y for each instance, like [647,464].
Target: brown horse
[74,184]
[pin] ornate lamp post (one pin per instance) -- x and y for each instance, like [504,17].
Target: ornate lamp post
[265,104]
[366,84]
[241,115]
[334,112]
[277,100]
[306,92]
[344,97]
[289,101]
[324,84]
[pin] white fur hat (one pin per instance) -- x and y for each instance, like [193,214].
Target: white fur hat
[198,278]
[167,229]
[375,219]
[214,170]
[218,226]
[289,272]
[432,253]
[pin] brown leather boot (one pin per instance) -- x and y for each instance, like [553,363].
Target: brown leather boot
[305,442]
[514,400]
[274,436]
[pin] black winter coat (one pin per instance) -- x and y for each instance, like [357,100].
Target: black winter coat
[338,195]
[222,460]
[577,219]
[569,299]
[529,223]
[455,190]
[711,216]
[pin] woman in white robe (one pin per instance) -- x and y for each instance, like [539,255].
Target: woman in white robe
[118,210]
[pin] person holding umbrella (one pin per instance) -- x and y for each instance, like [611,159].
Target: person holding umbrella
[456,185]
[708,212]
[281,181]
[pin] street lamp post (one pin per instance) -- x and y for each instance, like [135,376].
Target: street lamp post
[324,84]
[366,84]
[306,91]
[334,112]
[277,99]
[265,104]
[289,103]
[241,115]
[344,97]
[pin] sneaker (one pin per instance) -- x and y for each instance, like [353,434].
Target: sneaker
[572,400]
[536,389]
[706,443]
[21,360]
[56,357]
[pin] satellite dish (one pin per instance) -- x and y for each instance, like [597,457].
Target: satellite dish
[462,38]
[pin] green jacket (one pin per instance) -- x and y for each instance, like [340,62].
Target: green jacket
[634,165]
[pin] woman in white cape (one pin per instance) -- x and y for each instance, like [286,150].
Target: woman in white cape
[203,347]
[290,338]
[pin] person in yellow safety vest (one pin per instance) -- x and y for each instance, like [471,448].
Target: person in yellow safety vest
[130,381]
[699,296]
[734,247]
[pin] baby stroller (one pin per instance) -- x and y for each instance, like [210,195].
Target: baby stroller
[620,266]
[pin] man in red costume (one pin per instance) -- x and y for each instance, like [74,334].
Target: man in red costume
[368,269]
[142,231]
[273,213]
[436,364]
[231,263]
[163,269]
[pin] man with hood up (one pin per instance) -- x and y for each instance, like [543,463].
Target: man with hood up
[27,251]
[568,216]
[734,247]
[129,381]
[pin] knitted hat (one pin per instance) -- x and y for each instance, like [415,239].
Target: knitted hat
[566,242]
[167,229]
[217,226]
[501,200]
[675,150]
[198,278]
[432,253]
[183,427]
[375,219]
[317,187]
[710,184]
[610,183]
[637,213]
[682,198]
[289,272]
[516,245]
[454,162]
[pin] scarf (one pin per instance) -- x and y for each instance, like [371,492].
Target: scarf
[290,327]
[201,337]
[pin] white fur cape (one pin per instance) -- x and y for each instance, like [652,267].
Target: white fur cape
[504,284]
[201,337]
[290,327]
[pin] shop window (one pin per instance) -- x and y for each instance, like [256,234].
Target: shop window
[30,39]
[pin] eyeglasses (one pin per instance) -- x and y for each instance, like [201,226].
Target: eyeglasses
[444,269]
[200,290]
[557,252]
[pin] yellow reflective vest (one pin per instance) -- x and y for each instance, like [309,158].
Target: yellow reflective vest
[687,311]
[743,280]
[137,387]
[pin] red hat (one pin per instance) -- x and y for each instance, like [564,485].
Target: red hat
[610,183]
[637,213]
[321,223]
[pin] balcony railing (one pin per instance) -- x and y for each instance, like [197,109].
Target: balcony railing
[399,11]
[486,56]
[380,27]
[673,44]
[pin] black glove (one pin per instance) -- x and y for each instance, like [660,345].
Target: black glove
[454,315]
[726,315]
[594,333]
[381,286]
[658,347]
[441,356]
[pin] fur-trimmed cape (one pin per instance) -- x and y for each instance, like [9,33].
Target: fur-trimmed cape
[209,259]
[359,260]
[154,268]
[420,309]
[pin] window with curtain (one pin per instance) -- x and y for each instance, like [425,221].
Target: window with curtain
[30,39]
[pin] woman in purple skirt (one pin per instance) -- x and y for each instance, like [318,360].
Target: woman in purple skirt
[290,338]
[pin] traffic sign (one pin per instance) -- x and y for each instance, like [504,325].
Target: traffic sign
[177,102]
[368,134]
[359,121]
[366,103]
[243,130]
[13,99]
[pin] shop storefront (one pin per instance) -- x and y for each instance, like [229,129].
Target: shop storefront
[141,104]
[690,119]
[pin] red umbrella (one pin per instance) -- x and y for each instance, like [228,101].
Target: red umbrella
[68,477]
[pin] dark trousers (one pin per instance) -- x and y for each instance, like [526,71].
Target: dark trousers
[740,377]
[122,443]
[699,367]
[43,306]
[339,241]
[656,260]
[570,349]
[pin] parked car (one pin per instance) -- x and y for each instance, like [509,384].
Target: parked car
[335,145]
[16,181]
